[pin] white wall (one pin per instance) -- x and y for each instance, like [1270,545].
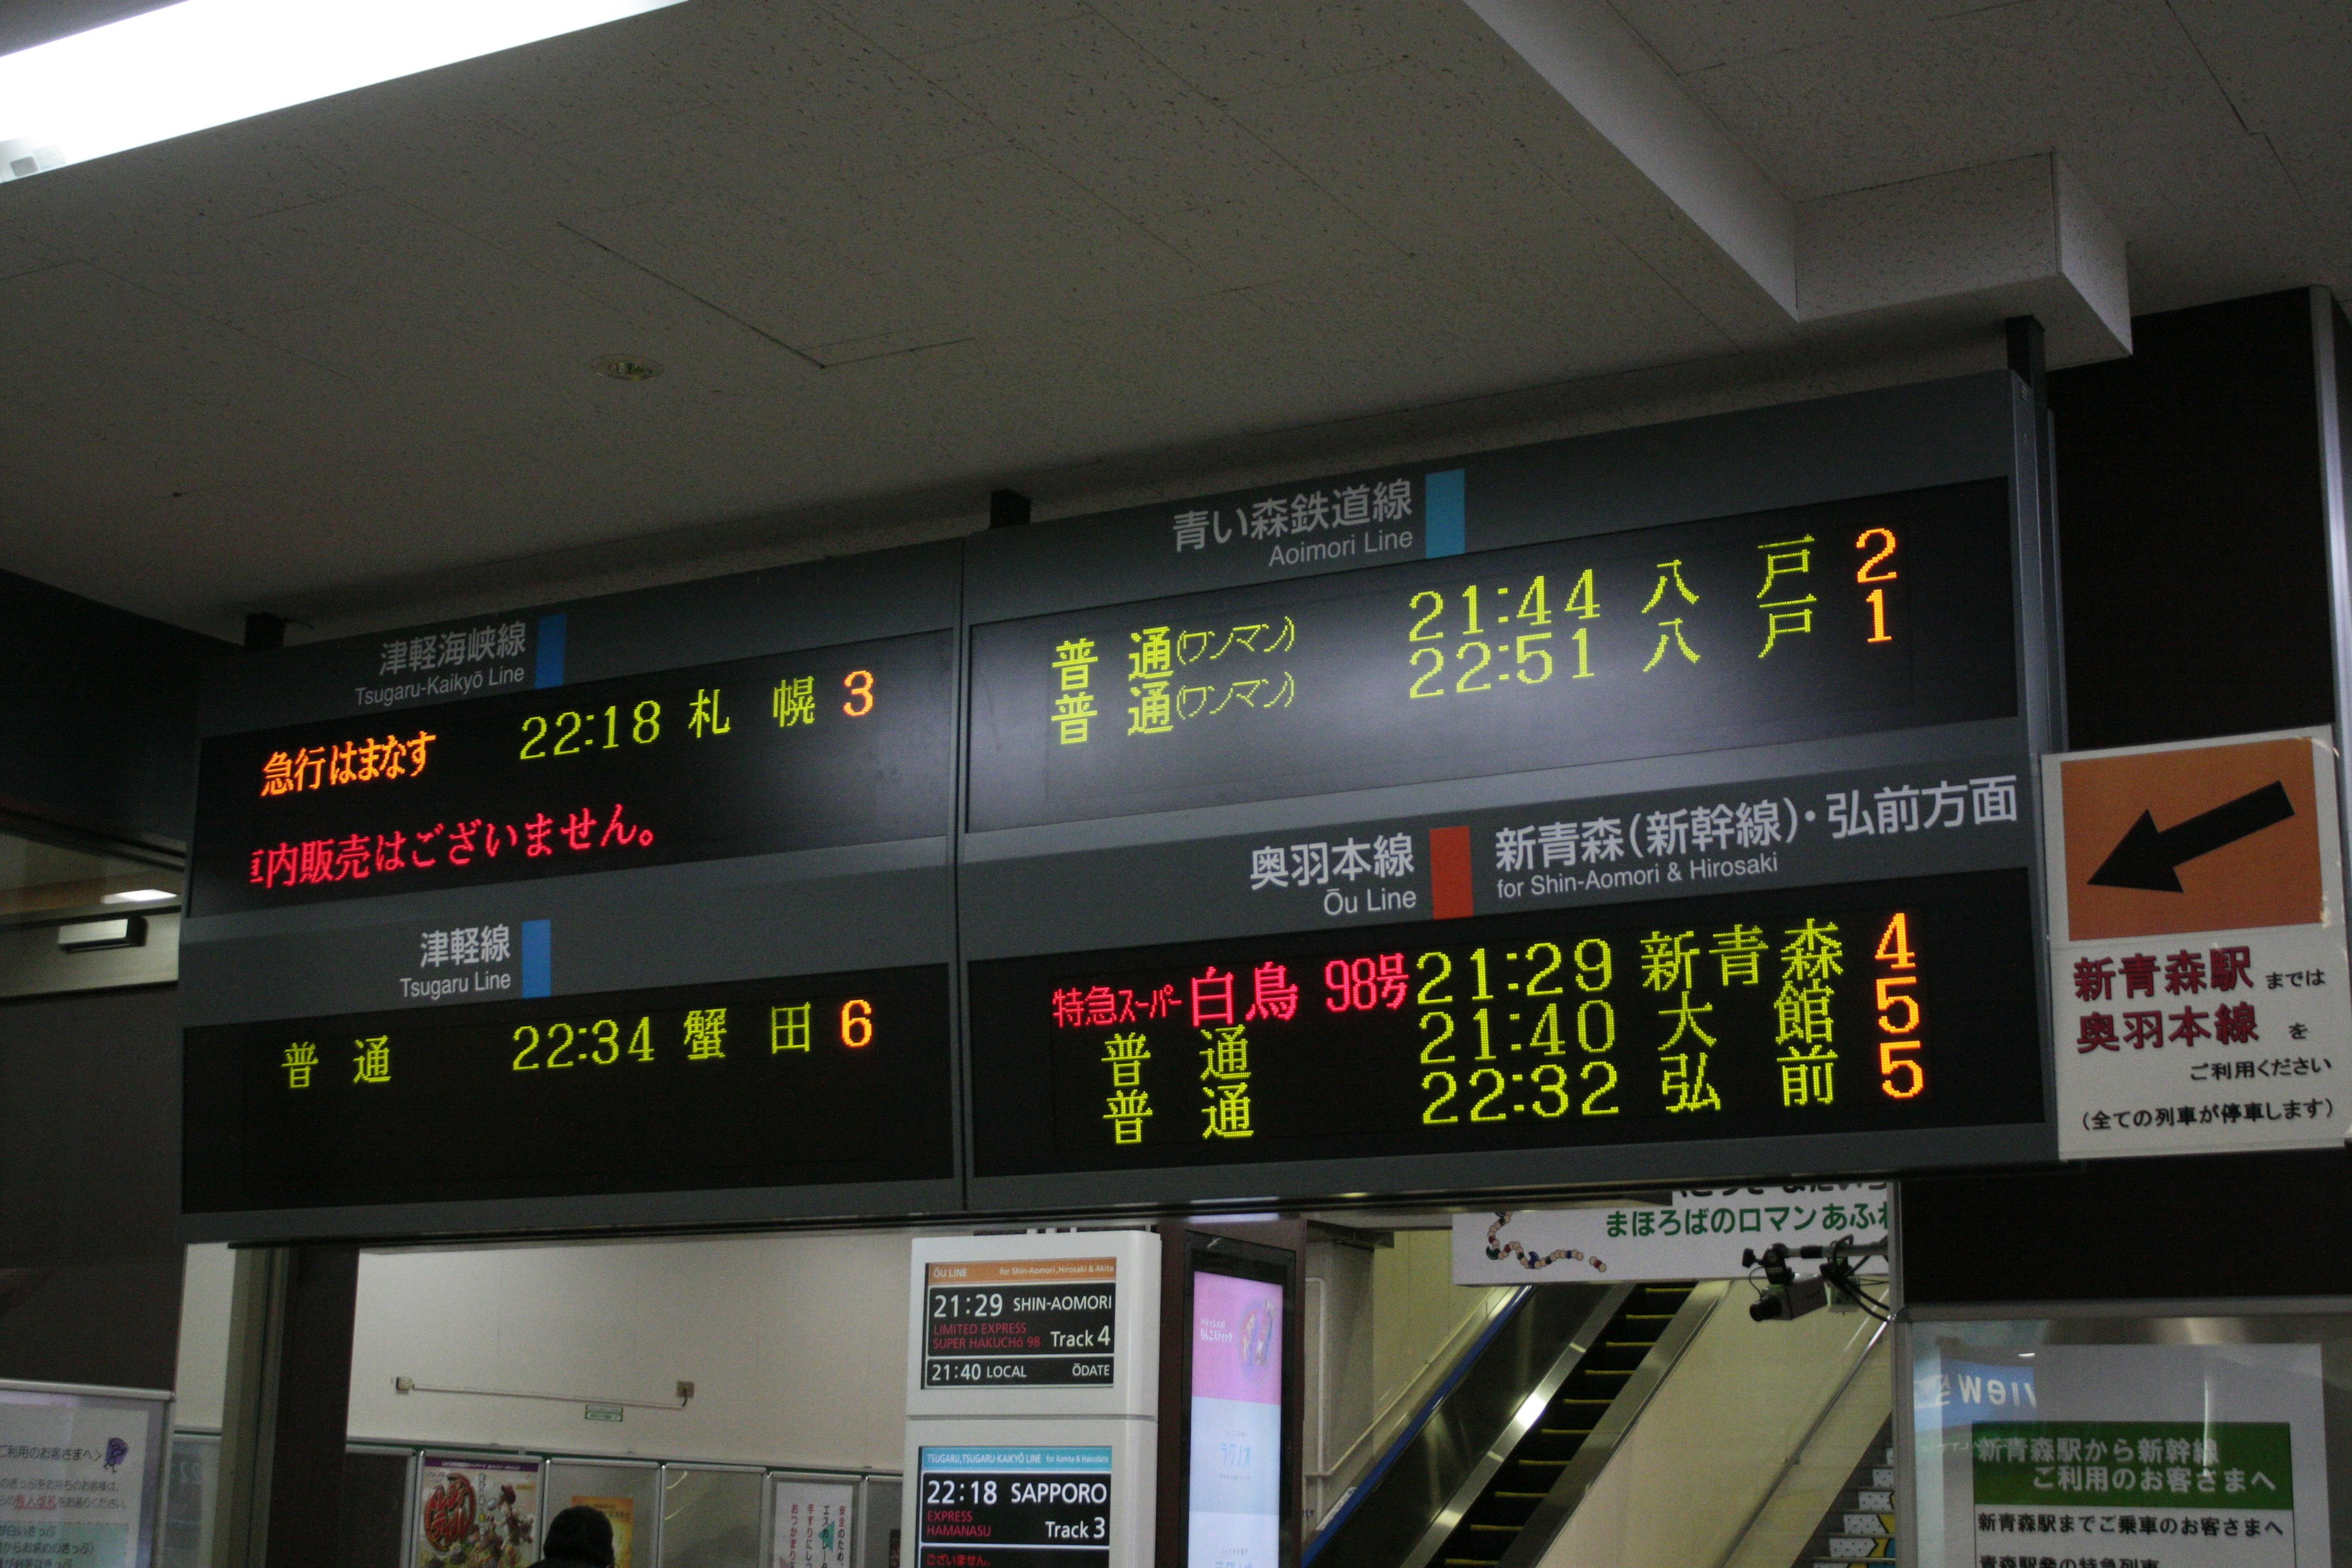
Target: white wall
[796,1345]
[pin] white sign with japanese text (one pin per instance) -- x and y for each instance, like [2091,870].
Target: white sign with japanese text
[79,1478]
[1699,1236]
[813,1521]
[2197,947]
[2163,1456]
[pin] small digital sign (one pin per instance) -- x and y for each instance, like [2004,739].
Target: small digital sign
[1861,1007]
[1027,1322]
[816,1079]
[850,744]
[1014,1508]
[1883,613]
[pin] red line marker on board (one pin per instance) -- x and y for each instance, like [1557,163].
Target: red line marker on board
[1449,874]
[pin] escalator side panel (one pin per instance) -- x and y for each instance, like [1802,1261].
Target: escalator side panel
[1395,1507]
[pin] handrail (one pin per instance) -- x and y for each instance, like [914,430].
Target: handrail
[1419,1387]
[1592,1456]
[1356,1494]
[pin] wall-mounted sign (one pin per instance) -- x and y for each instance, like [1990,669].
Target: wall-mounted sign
[1871,1007]
[1700,1235]
[2196,904]
[820,1079]
[2192,1455]
[81,1476]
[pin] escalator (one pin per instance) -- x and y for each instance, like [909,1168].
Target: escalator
[1506,1449]
[1501,1513]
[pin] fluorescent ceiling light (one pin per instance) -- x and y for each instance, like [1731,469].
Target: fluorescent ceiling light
[201,63]
[139,896]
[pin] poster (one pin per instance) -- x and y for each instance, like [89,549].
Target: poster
[2196,899]
[475,1512]
[1700,1235]
[623,1514]
[814,1522]
[2161,1455]
[1236,1519]
[79,1478]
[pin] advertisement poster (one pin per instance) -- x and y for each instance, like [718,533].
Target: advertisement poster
[814,1521]
[2164,1456]
[2196,897]
[622,1512]
[78,1475]
[477,1512]
[1236,1519]
[1698,1235]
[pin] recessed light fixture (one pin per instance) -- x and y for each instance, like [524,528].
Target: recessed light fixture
[166,72]
[139,896]
[624,367]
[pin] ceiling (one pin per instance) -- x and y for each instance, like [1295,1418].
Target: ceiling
[891,254]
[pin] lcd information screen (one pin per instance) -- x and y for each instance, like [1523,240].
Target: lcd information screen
[1034,1321]
[1867,1007]
[800,750]
[1014,1507]
[1877,614]
[832,1077]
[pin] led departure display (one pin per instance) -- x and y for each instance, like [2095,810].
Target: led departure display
[798,751]
[1863,1007]
[839,1077]
[1876,614]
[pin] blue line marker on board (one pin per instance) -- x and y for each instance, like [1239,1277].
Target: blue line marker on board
[1442,527]
[538,958]
[551,652]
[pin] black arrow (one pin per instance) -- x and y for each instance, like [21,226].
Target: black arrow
[2148,859]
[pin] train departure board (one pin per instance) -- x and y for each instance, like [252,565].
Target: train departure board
[1797,1012]
[818,1078]
[1880,613]
[826,746]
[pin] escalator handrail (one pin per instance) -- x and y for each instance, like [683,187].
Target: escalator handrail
[1412,1428]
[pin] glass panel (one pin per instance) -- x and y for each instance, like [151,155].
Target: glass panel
[2221,1436]
[374,1532]
[710,1519]
[628,1495]
[878,1523]
[189,1493]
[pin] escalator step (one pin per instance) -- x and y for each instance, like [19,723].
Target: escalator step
[1500,1529]
[1520,1497]
[1545,1464]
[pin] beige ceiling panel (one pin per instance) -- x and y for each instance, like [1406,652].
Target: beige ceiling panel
[1411,152]
[907,29]
[2285,68]
[1087,98]
[986,244]
[1229,48]
[1292,228]
[2117,79]
[1696,35]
